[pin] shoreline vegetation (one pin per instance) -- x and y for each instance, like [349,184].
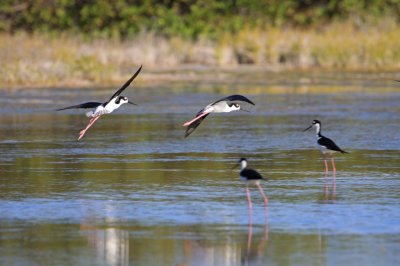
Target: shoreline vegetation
[32,60]
[100,43]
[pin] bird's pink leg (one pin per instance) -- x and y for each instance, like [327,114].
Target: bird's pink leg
[196,118]
[249,199]
[91,122]
[266,211]
[263,194]
[333,165]
[334,184]
[326,191]
[249,233]
[266,225]
[326,166]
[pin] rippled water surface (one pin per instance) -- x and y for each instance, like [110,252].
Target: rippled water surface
[133,191]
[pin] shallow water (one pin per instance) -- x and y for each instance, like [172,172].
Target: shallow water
[134,191]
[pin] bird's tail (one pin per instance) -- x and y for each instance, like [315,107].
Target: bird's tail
[342,151]
[90,113]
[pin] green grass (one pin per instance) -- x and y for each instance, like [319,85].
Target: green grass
[40,60]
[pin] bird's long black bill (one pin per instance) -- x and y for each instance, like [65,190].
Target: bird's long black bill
[307,128]
[132,103]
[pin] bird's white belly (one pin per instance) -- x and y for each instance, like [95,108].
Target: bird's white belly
[250,182]
[110,107]
[220,108]
[326,151]
[100,110]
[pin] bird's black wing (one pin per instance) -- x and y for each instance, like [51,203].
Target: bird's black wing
[251,174]
[194,125]
[82,105]
[330,145]
[118,92]
[234,97]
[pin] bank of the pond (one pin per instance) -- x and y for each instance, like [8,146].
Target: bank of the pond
[40,60]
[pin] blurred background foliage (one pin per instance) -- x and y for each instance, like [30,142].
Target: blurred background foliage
[75,42]
[184,18]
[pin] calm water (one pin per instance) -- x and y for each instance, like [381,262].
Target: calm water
[135,192]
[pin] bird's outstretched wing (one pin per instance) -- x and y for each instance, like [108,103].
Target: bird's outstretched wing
[234,97]
[82,105]
[118,92]
[330,145]
[192,126]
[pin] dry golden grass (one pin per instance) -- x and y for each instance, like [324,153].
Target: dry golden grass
[39,60]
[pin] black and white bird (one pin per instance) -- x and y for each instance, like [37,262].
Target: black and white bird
[100,109]
[224,105]
[327,146]
[250,177]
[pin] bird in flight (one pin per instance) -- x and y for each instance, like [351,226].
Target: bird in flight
[224,105]
[99,109]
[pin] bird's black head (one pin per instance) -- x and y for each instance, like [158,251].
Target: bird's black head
[242,159]
[315,123]
[234,106]
[121,98]
[242,162]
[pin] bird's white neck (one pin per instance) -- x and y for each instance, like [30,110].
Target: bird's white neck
[318,130]
[112,105]
[243,164]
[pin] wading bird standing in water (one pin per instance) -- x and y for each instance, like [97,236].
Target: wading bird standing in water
[327,146]
[224,105]
[251,177]
[104,108]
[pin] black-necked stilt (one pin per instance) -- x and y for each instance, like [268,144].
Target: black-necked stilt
[104,108]
[251,177]
[327,146]
[224,105]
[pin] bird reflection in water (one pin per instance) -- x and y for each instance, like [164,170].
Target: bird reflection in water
[249,249]
[330,194]
[254,253]
[111,245]
[231,252]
